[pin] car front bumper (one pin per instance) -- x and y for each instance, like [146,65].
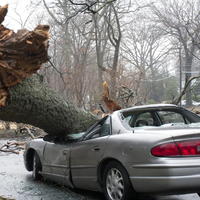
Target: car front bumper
[167,177]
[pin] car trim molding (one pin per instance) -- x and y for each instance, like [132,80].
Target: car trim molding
[57,166]
[82,166]
[164,177]
[166,165]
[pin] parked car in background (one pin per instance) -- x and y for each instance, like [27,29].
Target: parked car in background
[143,149]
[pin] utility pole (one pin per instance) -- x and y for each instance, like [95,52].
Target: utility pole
[180,71]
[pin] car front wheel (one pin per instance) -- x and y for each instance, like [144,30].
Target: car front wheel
[37,167]
[116,183]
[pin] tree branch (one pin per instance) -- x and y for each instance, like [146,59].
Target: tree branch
[178,99]
[51,14]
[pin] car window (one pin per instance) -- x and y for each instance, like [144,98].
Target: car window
[140,119]
[106,127]
[190,116]
[144,119]
[159,117]
[103,128]
[168,117]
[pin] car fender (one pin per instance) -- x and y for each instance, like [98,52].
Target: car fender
[36,145]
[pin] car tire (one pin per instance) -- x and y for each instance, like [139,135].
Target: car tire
[37,167]
[116,183]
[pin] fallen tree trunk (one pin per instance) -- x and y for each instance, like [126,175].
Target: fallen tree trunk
[31,102]
[24,98]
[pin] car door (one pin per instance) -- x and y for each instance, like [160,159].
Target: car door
[56,162]
[86,155]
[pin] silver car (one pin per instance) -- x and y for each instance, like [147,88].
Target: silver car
[143,149]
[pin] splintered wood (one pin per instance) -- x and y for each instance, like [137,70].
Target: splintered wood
[110,104]
[21,54]
[3,12]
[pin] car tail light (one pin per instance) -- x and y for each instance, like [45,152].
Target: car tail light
[181,148]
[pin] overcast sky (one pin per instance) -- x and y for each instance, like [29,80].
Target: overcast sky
[18,12]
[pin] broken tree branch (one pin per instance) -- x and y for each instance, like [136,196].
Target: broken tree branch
[178,99]
[110,104]
[12,147]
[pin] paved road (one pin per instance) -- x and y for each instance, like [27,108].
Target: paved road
[16,183]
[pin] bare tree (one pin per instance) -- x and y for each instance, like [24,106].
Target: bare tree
[107,40]
[180,20]
[115,36]
[146,51]
[72,54]
[101,43]
[100,24]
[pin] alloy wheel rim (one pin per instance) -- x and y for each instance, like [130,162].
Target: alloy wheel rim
[115,184]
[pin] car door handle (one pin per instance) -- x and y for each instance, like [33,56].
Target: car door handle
[96,148]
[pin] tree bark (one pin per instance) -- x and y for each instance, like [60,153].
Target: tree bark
[115,41]
[188,68]
[31,102]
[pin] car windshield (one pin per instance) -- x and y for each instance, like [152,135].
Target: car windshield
[75,136]
[160,117]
